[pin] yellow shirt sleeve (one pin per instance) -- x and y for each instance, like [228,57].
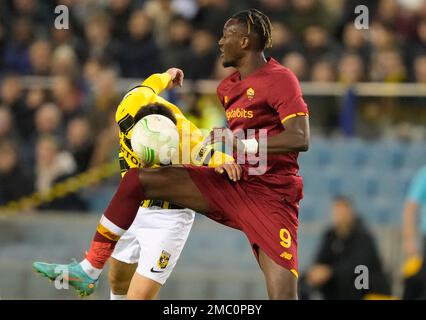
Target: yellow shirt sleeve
[192,149]
[157,82]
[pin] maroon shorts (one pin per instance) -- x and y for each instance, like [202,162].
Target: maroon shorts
[269,218]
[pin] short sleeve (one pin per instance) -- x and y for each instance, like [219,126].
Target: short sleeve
[285,96]
[220,94]
[417,189]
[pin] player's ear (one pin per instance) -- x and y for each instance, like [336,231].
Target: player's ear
[244,42]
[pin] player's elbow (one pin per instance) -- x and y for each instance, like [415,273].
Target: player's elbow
[304,147]
[303,143]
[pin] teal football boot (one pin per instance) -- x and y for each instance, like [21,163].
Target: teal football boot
[73,273]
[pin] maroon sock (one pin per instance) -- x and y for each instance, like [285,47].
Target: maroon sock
[121,212]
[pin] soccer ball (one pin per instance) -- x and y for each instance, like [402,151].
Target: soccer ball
[155,140]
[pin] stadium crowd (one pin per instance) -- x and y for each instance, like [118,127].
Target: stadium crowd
[49,134]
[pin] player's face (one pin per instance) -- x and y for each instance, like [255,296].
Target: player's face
[230,44]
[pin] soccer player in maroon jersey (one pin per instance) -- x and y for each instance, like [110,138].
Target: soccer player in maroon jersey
[261,94]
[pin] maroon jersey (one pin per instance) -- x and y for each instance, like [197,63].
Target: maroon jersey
[265,100]
[265,207]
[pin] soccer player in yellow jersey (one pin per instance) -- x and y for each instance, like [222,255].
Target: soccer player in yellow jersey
[148,251]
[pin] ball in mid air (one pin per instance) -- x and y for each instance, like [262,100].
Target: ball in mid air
[155,139]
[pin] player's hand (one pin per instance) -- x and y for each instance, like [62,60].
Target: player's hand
[176,77]
[232,169]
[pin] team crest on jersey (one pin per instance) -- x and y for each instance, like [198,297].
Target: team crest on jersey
[163,261]
[250,93]
[225,100]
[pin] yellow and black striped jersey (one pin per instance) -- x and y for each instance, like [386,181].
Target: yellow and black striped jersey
[190,136]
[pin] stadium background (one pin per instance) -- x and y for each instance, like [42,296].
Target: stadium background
[59,90]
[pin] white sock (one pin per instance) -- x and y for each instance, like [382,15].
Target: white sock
[118,296]
[91,271]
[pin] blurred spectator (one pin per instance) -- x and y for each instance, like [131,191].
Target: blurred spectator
[296,62]
[355,41]
[351,69]
[139,55]
[40,53]
[98,38]
[34,98]
[202,56]
[105,98]
[177,50]
[15,181]
[2,44]
[6,124]
[161,14]
[323,71]
[91,70]
[66,95]
[318,44]
[382,36]
[346,245]
[276,10]
[416,47]
[305,13]
[64,62]
[413,229]
[212,15]
[420,69]
[16,57]
[66,37]
[119,11]
[51,162]
[80,143]
[48,120]
[392,13]
[282,41]
[12,96]
[388,66]
[107,142]
[53,166]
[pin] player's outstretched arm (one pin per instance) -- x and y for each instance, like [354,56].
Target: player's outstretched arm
[295,137]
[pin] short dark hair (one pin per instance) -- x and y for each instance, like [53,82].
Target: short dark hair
[155,108]
[259,23]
